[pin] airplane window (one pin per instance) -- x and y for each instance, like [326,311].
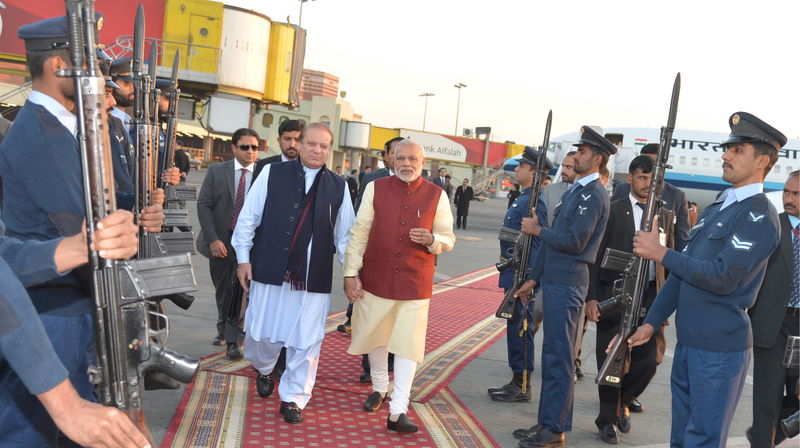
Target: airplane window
[694,160]
[683,160]
[706,162]
[776,169]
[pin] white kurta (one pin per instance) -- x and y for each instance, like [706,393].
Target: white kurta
[276,313]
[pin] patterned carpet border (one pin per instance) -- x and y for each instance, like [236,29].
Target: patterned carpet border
[451,424]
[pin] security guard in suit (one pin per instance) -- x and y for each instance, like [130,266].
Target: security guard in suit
[712,283]
[520,351]
[569,248]
[625,217]
[774,318]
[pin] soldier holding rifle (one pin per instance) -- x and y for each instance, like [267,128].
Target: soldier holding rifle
[569,247]
[712,283]
[520,352]
[41,169]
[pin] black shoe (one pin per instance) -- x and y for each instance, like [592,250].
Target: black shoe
[403,424]
[513,391]
[374,401]
[291,412]
[579,372]
[219,341]
[525,433]
[504,387]
[233,352]
[344,328]
[609,434]
[365,378]
[264,385]
[624,419]
[635,406]
[545,437]
[155,380]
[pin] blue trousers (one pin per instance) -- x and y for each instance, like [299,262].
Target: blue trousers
[561,305]
[24,422]
[706,387]
[516,350]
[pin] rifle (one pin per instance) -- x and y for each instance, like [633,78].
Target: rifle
[522,242]
[629,297]
[119,288]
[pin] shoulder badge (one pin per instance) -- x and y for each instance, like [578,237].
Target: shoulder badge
[754,217]
[586,197]
[582,210]
[741,244]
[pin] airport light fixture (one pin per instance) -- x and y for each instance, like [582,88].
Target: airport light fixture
[458,86]
[425,113]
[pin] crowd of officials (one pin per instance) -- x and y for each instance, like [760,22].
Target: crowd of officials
[273,229]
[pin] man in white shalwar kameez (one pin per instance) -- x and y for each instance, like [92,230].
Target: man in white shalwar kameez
[289,293]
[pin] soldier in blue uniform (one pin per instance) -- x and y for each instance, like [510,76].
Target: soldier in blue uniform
[42,181]
[712,283]
[518,359]
[562,269]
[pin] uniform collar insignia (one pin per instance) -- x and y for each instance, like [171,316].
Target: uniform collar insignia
[756,218]
[586,196]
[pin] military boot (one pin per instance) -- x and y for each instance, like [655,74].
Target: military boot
[513,393]
[494,390]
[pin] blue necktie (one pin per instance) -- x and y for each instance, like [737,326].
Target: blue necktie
[794,295]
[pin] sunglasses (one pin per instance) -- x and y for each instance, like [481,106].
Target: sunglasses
[248,147]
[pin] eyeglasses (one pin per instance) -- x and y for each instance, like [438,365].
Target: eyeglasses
[248,147]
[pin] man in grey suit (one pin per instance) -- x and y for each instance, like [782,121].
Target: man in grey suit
[443,181]
[386,171]
[218,205]
[773,319]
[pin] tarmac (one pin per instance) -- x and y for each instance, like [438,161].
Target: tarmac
[477,247]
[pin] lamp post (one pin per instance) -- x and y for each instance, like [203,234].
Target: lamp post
[300,20]
[458,86]
[425,114]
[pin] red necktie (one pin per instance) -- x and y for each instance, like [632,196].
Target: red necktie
[239,202]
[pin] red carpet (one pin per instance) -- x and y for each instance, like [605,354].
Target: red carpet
[221,407]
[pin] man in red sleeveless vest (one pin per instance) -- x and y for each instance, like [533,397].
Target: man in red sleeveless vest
[403,222]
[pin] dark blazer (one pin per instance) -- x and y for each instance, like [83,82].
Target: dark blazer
[675,200]
[770,307]
[264,162]
[446,186]
[215,206]
[463,196]
[618,235]
[369,177]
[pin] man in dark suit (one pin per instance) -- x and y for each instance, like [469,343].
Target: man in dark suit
[464,194]
[288,136]
[774,319]
[624,220]
[674,198]
[443,181]
[386,171]
[352,185]
[218,205]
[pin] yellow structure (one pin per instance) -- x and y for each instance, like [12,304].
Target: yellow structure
[514,150]
[379,136]
[279,63]
[197,24]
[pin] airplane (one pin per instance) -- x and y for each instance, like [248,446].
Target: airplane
[695,157]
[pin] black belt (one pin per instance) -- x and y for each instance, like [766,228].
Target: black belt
[792,311]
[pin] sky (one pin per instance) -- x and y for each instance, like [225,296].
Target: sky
[609,63]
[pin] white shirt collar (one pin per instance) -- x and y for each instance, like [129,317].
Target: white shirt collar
[65,117]
[584,181]
[284,158]
[633,200]
[732,195]
[238,166]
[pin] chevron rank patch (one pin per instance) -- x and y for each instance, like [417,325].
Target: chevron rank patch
[582,210]
[741,244]
[586,196]
[756,218]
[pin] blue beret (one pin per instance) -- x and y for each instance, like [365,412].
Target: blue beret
[531,156]
[590,137]
[49,34]
[165,85]
[747,128]
[121,68]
